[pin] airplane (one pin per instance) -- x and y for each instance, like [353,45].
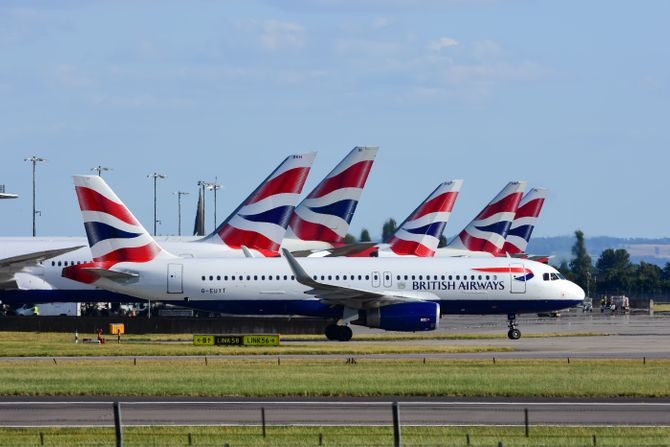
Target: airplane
[418,235]
[485,234]
[524,223]
[399,294]
[321,220]
[256,227]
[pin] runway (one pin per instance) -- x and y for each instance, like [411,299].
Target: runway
[508,412]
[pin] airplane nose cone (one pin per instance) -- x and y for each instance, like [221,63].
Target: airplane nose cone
[577,292]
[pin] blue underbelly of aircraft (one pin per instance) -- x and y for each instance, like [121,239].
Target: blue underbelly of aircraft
[310,308]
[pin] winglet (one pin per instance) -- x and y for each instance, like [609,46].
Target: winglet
[300,274]
[247,253]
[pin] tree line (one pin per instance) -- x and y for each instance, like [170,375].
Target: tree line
[614,273]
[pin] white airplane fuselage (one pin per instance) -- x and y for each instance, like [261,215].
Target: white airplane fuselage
[267,286]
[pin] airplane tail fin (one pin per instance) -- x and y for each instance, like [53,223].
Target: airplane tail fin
[488,230]
[325,214]
[260,222]
[524,221]
[113,233]
[420,233]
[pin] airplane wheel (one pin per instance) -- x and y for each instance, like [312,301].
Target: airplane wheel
[514,334]
[332,332]
[345,333]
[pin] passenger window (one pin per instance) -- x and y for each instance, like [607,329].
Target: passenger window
[53,263]
[458,277]
[263,278]
[360,277]
[203,278]
[248,277]
[451,278]
[211,278]
[367,277]
[337,277]
[218,278]
[285,277]
[480,277]
[225,278]
[420,277]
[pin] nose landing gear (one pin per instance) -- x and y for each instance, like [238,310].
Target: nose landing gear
[513,333]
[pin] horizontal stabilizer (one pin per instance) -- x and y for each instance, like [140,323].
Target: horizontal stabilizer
[113,275]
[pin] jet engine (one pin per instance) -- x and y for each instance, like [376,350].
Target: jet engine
[406,317]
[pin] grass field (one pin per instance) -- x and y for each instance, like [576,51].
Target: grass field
[341,436]
[33,344]
[302,377]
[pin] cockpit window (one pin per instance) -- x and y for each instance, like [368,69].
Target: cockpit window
[545,276]
[554,277]
[560,276]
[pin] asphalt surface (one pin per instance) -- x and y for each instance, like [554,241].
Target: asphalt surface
[75,412]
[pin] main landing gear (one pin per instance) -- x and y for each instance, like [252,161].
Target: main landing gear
[338,332]
[513,333]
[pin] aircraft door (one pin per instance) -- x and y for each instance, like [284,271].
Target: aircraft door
[388,279]
[517,278]
[376,279]
[175,282]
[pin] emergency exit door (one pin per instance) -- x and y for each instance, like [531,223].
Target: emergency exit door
[175,283]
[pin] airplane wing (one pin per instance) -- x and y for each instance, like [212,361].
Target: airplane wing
[11,265]
[347,296]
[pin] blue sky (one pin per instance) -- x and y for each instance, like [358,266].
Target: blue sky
[570,95]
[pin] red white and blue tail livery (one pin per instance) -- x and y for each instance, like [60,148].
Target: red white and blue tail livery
[260,222]
[487,232]
[113,233]
[325,214]
[524,222]
[420,233]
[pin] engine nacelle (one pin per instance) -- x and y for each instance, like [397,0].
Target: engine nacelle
[406,317]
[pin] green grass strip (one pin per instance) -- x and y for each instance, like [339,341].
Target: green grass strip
[366,378]
[341,436]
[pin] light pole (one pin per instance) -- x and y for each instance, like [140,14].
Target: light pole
[34,160]
[179,194]
[213,186]
[155,176]
[100,169]
[203,184]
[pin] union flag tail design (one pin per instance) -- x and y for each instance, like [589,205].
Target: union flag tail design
[113,233]
[260,222]
[524,221]
[325,214]
[420,233]
[488,230]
